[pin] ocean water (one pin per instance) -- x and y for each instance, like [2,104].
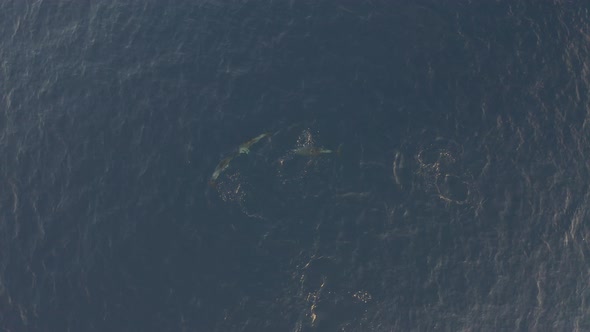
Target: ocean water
[294,166]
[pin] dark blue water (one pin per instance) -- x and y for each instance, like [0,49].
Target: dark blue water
[452,192]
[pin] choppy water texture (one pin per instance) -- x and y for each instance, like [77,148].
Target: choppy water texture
[458,200]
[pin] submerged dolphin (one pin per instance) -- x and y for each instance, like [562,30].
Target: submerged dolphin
[313,151]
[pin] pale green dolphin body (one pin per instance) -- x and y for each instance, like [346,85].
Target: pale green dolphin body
[244,148]
[313,151]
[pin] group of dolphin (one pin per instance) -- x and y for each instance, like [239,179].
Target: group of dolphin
[244,148]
